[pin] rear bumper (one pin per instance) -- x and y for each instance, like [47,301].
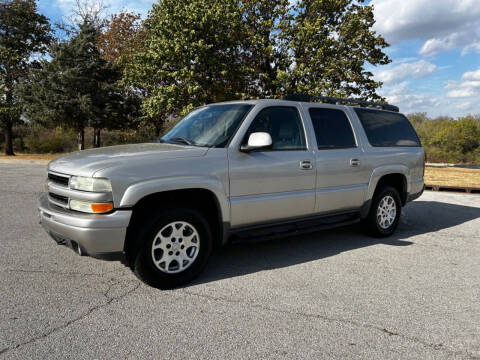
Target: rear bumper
[96,235]
[414,196]
[416,188]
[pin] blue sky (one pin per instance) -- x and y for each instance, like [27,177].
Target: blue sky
[435,48]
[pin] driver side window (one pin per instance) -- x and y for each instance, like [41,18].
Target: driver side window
[284,125]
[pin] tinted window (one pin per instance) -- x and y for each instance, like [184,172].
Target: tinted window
[332,129]
[284,126]
[387,128]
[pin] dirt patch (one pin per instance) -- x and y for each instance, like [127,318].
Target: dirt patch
[31,157]
[28,158]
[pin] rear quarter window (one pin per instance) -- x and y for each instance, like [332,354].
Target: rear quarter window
[387,128]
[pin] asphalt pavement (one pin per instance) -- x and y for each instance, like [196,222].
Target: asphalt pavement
[335,294]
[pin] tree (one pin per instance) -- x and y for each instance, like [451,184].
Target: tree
[330,41]
[265,51]
[76,88]
[23,34]
[191,56]
[202,51]
[121,37]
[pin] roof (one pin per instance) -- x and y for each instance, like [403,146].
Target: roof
[321,100]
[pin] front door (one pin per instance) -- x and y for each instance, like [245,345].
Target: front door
[277,183]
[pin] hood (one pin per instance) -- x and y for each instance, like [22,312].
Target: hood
[87,162]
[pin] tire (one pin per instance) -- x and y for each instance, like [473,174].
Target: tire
[176,245]
[384,215]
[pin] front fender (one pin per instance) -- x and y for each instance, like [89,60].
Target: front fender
[137,191]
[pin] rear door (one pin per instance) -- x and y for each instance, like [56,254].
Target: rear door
[277,183]
[342,176]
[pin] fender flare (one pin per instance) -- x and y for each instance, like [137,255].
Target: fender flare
[376,175]
[138,191]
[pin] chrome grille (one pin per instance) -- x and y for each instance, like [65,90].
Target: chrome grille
[58,179]
[58,198]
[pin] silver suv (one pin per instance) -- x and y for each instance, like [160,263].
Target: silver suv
[230,171]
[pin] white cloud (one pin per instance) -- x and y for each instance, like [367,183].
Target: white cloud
[467,87]
[418,69]
[443,24]
[465,105]
[408,100]
[471,75]
[475,47]
[461,92]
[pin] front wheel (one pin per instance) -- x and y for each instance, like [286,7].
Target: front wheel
[176,248]
[384,213]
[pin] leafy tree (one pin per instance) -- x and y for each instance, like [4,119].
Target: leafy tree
[192,56]
[265,51]
[23,34]
[121,36]
[76,88]
[202,51]
[330,41]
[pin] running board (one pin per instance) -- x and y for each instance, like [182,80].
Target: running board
[292,227]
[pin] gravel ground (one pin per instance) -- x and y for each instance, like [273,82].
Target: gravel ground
[330,295]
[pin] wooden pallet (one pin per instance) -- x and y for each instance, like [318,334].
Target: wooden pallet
[464,189]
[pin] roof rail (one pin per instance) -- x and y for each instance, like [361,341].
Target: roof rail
[341,101]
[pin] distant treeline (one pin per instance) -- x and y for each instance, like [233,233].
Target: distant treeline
[445,139]
[449,140]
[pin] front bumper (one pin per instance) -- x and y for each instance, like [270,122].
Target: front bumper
[95,235]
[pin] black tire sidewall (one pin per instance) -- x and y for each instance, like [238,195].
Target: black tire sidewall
[144,265]
[374,225]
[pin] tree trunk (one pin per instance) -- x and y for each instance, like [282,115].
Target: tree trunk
[158,129]
[81,139]
[96,138]
[8,139]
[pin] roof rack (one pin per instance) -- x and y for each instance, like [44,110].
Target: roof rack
[341,101]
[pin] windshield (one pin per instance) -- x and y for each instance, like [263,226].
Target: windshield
[210,126]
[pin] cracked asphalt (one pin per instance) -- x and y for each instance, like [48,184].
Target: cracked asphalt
[330,295]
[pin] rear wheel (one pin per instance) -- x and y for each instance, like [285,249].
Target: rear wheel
[384,213]
[176,248]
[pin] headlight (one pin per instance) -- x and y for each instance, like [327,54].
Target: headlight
[88,207]
[90,184]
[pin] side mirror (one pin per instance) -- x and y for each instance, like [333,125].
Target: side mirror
[257,141]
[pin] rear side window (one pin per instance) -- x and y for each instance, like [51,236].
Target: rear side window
[332,129]
[387,128]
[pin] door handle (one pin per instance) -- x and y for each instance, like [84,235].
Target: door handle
[306,165]
[354,162]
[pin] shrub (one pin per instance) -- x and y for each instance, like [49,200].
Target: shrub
[42,140]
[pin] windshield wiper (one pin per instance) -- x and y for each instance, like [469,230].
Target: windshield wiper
[182,140]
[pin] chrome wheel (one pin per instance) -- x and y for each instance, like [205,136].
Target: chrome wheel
[175,247]
[386,212]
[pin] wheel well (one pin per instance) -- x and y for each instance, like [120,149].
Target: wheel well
[398,181]
[199,199]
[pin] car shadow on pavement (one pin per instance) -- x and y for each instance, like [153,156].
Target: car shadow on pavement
[418,217]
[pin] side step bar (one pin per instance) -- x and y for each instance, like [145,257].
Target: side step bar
[292,227]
